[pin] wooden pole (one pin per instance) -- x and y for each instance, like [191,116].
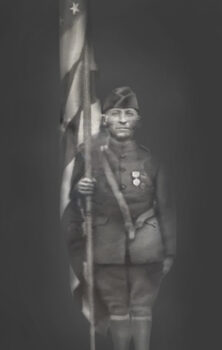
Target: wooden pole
[88,173]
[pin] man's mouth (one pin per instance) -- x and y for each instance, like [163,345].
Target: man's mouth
[123,128]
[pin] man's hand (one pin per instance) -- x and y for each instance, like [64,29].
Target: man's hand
[86,186]
[167,264]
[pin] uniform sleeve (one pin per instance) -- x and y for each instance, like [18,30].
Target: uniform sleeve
[166,210]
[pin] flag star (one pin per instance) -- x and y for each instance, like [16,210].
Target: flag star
[74,8]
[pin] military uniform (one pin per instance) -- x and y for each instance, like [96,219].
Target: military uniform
[142,182]
[128,270]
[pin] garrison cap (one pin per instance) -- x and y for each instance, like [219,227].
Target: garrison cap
[121,97]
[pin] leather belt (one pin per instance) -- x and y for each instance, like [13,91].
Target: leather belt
[143,217]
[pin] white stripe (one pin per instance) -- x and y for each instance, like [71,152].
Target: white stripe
[66,184]
[74,281]
[95,121]
[119,317]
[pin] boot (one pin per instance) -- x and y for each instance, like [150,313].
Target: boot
[121,334]
[141,331]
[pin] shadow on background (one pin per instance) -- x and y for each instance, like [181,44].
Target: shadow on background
[170,53]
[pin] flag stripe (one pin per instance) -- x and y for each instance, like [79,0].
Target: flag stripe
[70,139]
[71,45]
[67,83]
[74,98]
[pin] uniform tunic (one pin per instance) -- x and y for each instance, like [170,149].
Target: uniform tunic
[127,272]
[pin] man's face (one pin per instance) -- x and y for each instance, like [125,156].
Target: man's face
[121,122]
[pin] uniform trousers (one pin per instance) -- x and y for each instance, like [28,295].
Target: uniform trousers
[128,289]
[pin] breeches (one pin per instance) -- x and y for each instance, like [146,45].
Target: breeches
[128,289]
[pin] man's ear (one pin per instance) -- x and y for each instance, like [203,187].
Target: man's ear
[104,120]
[138,125]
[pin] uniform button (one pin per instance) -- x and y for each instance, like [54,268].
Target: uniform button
[123,156]
[122,187]
[122,169]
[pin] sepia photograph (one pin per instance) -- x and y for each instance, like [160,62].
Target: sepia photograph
[110,140]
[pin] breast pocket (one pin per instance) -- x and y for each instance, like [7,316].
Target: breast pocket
[100,220]
[146,181]
[147,246]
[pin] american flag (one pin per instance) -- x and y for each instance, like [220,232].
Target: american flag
[73,35]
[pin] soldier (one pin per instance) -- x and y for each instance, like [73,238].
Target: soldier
[133,222]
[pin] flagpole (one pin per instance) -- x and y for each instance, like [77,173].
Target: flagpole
[88,209]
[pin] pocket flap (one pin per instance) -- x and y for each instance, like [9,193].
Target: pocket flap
[100,220]
[152,221]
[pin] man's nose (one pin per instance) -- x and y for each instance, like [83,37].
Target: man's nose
[122,117]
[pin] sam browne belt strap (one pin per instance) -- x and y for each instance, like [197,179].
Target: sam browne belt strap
[117,194]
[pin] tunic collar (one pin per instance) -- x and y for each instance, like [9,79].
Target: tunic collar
[120,147]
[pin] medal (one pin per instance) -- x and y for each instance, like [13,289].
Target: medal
[135,174]
[136,178]
[136,182]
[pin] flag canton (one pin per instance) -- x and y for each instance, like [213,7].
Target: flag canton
[69,12]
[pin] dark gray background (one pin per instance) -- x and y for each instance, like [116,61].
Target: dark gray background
[169,52]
